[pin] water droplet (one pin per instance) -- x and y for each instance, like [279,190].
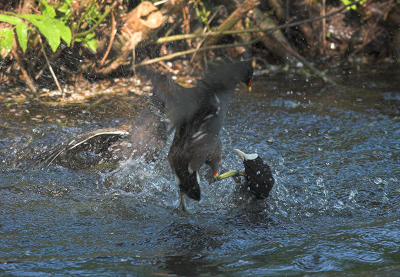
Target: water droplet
[352,194]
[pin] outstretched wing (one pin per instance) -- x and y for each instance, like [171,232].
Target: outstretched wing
[96,141]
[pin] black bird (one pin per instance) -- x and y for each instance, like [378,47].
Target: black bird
[197,115]
[258,174]
[145,136]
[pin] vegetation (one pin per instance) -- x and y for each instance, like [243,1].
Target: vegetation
[46,42]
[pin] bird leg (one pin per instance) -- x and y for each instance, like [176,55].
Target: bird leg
[182,205]
[231,173]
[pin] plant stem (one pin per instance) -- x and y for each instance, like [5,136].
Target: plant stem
[98,22]
[50,68]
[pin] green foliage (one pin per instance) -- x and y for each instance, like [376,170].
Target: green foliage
[48,10]
[6,39]
[7,35]
[202,12]
[10,19]
[89,41]
[353,7]
[90,16]
[65,11]
[22,34]
[52,24]
[50,27]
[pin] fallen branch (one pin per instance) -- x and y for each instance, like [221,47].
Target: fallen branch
[239,13]
[254,30]
[212,47]
[177,54]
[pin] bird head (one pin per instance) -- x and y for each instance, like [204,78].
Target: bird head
[246,72]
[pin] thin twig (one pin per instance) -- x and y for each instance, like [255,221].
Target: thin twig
[50,68]
[169,68]
[387,10]
[113,32]
[41,72]
[25,76]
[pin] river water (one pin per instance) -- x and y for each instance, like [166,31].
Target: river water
[334,209]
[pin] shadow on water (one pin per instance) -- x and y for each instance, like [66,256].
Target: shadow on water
[334,207]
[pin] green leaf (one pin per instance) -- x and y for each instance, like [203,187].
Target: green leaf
[48,11]
[32,16]
[50,31]
[6,39]
[65,32]
[10,19]
[90,42]
[64,8]
[22,34]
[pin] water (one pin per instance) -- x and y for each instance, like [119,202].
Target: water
[334,208]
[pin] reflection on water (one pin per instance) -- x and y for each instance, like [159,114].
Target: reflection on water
[334,208]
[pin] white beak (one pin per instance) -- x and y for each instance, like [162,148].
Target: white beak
[245,157]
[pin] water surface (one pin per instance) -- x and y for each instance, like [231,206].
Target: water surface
[334,208]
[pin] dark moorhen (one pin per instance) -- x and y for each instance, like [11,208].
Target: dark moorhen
[197,115]
[259,179]
[258,174]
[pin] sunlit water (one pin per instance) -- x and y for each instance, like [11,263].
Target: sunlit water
[335,206]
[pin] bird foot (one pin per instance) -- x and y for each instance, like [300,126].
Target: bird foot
[182,205]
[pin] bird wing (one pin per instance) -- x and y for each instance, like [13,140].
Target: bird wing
[205,137]
[92,140]
[183,105]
